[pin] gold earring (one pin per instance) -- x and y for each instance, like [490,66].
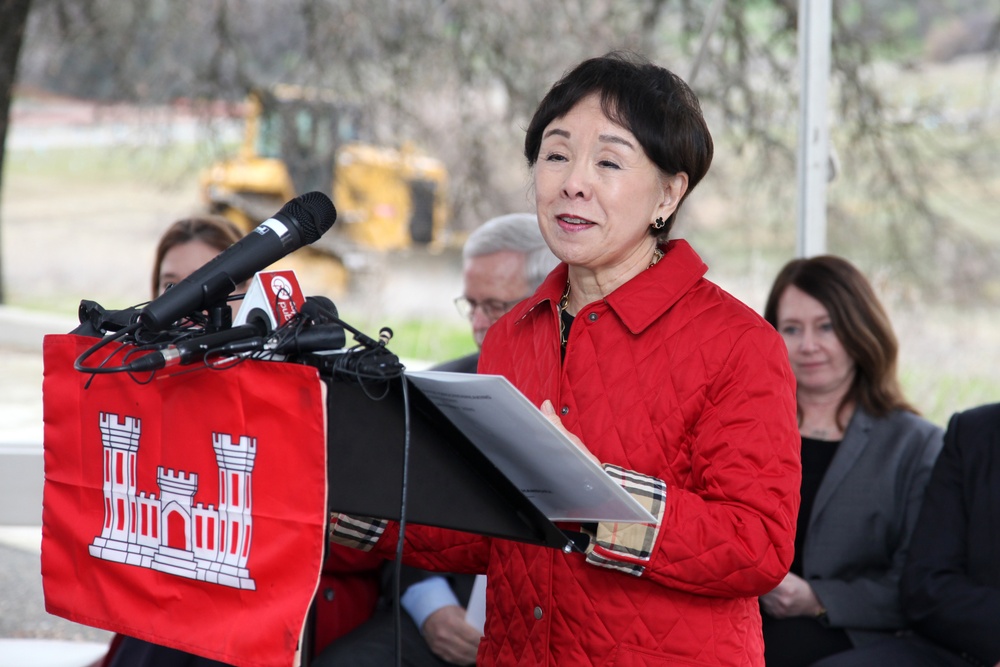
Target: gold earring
[659,224]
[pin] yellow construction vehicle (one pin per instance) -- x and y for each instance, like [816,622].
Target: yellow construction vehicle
[298,140]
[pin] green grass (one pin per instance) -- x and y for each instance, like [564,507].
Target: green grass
[430,340]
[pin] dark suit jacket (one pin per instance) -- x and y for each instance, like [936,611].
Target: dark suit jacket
[466,364]
[951,583]
[862,521]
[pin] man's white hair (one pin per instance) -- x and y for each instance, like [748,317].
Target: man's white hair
[517,232]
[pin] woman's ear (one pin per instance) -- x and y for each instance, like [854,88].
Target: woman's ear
[674,187]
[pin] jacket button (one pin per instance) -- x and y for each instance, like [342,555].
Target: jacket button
[328,594]
[592,317]
[538,613]
[564,410]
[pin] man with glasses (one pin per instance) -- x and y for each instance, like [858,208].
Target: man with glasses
[503,261]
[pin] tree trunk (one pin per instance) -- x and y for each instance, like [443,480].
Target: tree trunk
[13,19]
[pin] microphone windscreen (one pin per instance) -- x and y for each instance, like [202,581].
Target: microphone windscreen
[319,309]
[314,212]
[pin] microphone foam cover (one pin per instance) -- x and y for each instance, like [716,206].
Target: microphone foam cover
[319,309]
[315,213]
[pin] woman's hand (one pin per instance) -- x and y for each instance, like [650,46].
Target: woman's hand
[550,413]
[792,597]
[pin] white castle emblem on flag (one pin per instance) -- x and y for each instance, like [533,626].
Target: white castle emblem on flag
[171,533]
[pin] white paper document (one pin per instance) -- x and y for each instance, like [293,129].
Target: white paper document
[545,465]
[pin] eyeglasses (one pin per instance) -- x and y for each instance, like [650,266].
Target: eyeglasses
[492,308]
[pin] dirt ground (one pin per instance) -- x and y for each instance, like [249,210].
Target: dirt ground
[64,244]
[68,231]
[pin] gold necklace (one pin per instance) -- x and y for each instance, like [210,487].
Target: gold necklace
[564,301]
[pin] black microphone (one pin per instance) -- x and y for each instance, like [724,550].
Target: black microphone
[298,223]
[322,330]
[314,338]
[320,309]
[244,338]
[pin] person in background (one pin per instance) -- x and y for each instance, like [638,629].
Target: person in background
[504,260]
[682,393]
[951,581]
[349,585]
[189,244]
[866,459]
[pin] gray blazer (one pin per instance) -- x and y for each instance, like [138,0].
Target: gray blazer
[863,518]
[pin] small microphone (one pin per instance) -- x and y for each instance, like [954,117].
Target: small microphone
[313,338]
[244,338]
[320,309]
[321,329]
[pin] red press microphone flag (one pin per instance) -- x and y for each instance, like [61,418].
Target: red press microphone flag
[189,511]
[274,296]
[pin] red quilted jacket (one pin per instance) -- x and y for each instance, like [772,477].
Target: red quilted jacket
[674,379]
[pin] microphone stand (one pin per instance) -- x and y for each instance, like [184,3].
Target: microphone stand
[220,316]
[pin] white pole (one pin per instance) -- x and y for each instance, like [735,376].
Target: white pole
[814,133]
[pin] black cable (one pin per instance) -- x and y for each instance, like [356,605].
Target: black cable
[397,570]
[100,369]
[237,349]
[133,374]
[369,368]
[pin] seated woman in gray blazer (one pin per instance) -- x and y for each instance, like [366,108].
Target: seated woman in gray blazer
[866,459]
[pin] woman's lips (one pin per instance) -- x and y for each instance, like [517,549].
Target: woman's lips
[811,366]
[573,223]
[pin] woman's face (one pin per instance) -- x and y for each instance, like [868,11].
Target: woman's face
[818,359]
[597,192]
[182,260]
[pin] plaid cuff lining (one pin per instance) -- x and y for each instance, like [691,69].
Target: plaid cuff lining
[627,547]
[359,532]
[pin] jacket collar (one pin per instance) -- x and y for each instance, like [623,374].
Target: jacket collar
[854,442]
[640,301]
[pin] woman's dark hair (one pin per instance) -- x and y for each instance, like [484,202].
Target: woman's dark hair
[652,103]
[212,230]
[859,321]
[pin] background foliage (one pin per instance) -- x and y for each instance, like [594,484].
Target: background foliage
[914,113]
[460,78]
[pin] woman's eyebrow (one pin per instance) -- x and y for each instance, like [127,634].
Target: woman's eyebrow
[606,138]
[615,139]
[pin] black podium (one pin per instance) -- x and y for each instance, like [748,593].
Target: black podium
[450,483]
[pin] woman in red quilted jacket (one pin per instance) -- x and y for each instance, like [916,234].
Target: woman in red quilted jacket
[680,391]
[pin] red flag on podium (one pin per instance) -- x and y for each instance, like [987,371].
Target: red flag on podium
[189,511]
